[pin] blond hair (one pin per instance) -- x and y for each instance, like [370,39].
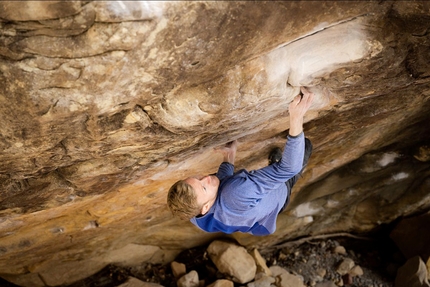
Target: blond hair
[182,201]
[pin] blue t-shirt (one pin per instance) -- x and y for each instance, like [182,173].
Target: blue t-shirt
[250,201]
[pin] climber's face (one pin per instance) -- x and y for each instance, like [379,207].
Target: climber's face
[206,189]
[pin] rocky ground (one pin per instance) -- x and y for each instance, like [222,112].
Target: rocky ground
[315,261]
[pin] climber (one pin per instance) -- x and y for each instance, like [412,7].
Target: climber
[246,201]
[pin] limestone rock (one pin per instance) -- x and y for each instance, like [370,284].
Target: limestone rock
[233,260]
[428,268]
[321,272]
[423,153]
[340,250]
[277,270]
[326,284]
[222,283]
[339,282]
[38,10]
[25,280]
[262,281]
[131,254]
[285,279]
[178,269]
[413,274]
[345,266]
[412,236]
[134,282]
[290,280]
[347,279]
[191,279]
[260,262]
[356,271]
[64,272]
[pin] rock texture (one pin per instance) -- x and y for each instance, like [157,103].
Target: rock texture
[411,235]
[233,260]
[105,104]
[413,273]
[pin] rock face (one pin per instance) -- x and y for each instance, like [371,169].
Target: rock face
[105,104]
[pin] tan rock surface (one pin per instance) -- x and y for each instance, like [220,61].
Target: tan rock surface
[133,282]
[105,104]
[233,260]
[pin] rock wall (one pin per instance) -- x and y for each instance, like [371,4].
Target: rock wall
[105,104]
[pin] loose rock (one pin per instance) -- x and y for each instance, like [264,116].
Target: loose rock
[356,271]
[412,274]
[190,279]
[233,260]
[290,280]
[134,282]
[262,281]
[345,266]
[178,269]
[260,262]
[340,250]
[321,272]
[347,279]
[277,270]
[222,283]
[428,268]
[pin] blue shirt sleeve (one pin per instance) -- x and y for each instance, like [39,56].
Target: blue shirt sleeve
[225,169]
[270,177]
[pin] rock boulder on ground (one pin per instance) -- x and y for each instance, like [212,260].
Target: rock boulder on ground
[412,274]
[233,260]
[191,279]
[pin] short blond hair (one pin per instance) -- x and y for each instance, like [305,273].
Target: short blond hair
[182,201]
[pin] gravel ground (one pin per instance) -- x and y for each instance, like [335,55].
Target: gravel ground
[314,260]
